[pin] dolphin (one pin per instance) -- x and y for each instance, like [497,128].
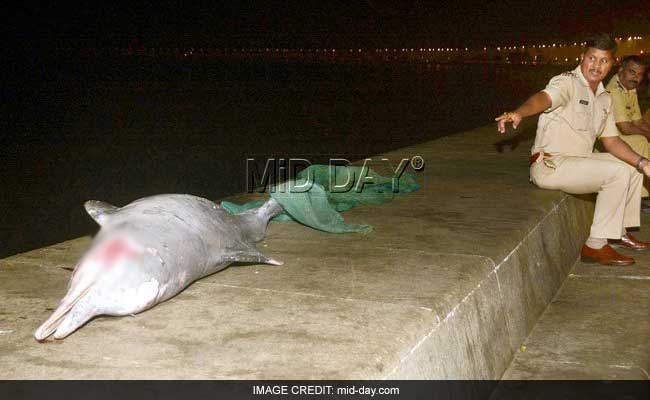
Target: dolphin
[151,249]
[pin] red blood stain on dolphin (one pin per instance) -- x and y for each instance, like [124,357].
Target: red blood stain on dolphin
[114,250]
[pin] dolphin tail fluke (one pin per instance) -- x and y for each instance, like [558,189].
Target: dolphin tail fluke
[250,256]
[255,221]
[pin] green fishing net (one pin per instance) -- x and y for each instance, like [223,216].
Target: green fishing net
[320,192]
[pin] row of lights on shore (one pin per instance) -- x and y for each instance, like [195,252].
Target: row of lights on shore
[577,59]
[191,51]
[422,49]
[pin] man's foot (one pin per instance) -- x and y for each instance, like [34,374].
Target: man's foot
[630,242]
[605,256]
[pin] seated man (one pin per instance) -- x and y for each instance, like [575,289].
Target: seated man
[576,110]
[646,116]
[622,88]
[634,129]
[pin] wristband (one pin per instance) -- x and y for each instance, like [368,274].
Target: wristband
[638,163]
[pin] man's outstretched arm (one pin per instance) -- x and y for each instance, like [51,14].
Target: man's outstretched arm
[537,103]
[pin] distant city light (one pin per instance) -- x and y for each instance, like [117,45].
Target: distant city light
[527,50]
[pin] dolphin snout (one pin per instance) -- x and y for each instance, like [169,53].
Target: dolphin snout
[72,313]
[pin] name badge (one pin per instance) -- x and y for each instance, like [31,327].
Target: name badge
[585,102]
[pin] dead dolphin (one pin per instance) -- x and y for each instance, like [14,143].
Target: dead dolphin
[149,250]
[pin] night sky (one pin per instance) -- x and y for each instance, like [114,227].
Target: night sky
[364,23]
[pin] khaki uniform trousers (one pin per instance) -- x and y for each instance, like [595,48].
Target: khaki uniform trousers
[618,204]
[640,144]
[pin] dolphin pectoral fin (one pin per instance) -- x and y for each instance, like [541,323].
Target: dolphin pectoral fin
[99,210]
[252,256]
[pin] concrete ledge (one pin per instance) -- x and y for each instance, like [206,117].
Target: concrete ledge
[490,323]
[448,285]
[596,327]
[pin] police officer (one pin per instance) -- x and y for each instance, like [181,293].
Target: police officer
[622,87]
[576,109]
[634,130]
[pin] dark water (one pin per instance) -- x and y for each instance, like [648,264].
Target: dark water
[117,131]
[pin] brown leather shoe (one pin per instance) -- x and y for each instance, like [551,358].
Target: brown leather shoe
[606,256]
[630,242]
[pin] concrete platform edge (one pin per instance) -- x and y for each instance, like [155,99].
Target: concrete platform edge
[525,281]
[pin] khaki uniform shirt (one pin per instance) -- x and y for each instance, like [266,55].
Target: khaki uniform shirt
[626,102]
[576,117]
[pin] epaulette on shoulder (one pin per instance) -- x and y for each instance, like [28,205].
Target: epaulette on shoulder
[570,73]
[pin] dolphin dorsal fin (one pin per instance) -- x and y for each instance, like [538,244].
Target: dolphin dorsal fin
[99,210]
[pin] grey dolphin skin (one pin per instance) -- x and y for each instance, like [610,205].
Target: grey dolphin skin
[151,249]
